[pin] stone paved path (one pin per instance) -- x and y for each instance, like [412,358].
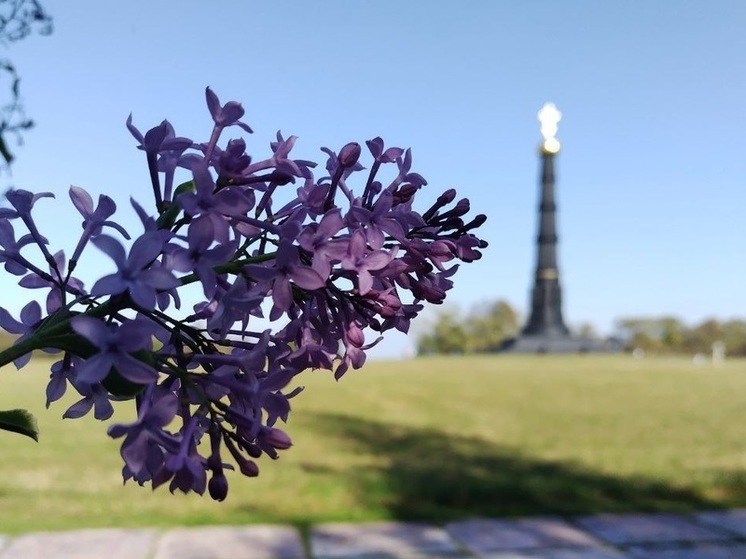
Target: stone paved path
[705,535]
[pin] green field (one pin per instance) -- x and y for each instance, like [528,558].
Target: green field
[430,438]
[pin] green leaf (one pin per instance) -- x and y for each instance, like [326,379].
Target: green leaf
[120,387]
[74,343]
[19,421]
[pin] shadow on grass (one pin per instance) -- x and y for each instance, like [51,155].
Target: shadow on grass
[429,475]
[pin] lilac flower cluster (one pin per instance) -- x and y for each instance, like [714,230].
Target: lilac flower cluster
[333,263]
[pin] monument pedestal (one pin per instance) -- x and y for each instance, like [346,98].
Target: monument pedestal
[557,344]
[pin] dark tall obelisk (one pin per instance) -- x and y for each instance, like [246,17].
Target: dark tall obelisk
[545,331]
[546,296]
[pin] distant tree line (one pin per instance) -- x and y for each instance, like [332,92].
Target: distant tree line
[484,328]
[480,330]
[669,334]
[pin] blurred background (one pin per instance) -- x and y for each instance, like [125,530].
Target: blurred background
[649,180]
[650,188]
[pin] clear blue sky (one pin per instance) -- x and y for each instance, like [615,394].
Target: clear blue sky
[651,177]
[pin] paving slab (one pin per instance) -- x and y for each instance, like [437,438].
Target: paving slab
[484,535]
[630,529]
[109,543]
[731,520]
[336,540]
[704,551]
[588,553]
[231,542]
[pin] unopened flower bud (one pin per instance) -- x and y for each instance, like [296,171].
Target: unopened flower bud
[248,467]
[404,193]
[461,208]
[218,486]
[355,335]
[478,221]
[253,450]
[278,439]
[349,155]
[447,197]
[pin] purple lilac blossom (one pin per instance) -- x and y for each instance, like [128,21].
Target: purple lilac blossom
[340,261]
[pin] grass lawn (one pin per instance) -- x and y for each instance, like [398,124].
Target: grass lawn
[430,438]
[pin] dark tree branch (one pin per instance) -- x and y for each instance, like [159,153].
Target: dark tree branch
[18,18]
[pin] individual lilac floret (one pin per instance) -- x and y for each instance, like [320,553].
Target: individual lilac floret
[225,115]
[234,305]
[199,257]
[60,373]
[55,298]
[156,411]
[362,261]
[95,397]
[186,467]
[23,201]
[379,220]
[115,344]
[320,240]
[405,166]
[216,205]
[376,150]
[10,254]
[160,140]
[281,161]
[94,220]
[233,160]
[138,273]
[287,267]
[30,319]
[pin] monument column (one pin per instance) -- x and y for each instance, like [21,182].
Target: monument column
[545,331]
[546,296]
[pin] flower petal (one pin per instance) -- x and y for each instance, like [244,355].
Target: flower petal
[92,329]
[144,250]
[81,200]
[113,284]
[111,247]
[307,278]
